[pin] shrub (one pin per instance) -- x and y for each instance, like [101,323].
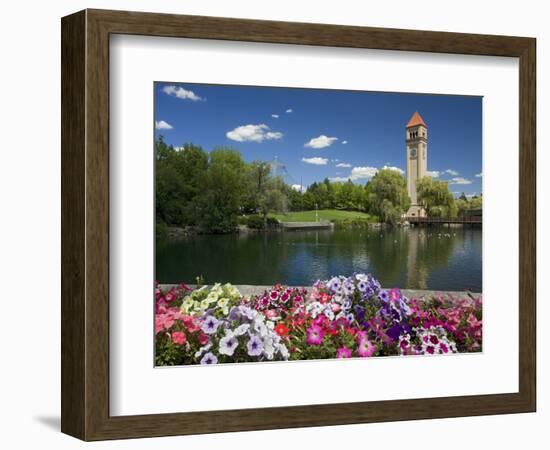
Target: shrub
[161,231]
[272,221]
[255,222]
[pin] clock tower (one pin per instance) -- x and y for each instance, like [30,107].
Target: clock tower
[416,140]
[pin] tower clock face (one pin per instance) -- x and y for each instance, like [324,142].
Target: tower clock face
[413,152]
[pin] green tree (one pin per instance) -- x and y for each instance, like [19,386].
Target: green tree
[462,206]
[265,193]
[476,202]
[386,195]
[435,197]
[220,203]
[179,179]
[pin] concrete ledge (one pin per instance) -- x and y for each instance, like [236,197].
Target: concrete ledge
[248,290]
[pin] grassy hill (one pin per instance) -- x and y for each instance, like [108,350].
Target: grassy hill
[322,214]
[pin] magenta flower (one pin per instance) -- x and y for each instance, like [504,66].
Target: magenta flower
[315,335]
[365,348]
[343,352]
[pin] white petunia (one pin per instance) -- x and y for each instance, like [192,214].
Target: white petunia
[228,344]
[269,349]
[241,329]
[203,349]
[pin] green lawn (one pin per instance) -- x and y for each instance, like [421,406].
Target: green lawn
[322,214]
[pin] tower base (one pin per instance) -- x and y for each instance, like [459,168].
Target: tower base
[416,211]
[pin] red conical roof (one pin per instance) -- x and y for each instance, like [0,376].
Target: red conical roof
[416,120]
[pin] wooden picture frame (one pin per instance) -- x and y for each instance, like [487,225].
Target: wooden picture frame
[85,224]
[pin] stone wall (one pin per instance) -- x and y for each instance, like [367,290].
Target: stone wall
[247,290]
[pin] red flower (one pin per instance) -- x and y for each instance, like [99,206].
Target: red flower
[203,339]
[178,337]
[185,287]
[282,330]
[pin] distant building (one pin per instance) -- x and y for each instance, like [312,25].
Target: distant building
[416,140]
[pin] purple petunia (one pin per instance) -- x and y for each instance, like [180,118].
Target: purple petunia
[210,325]
[255,346]
[383,295]
[209,358]
[334,284]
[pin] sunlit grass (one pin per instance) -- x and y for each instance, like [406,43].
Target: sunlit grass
[322,214]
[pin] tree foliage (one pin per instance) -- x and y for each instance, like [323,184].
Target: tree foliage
[386,196]
[435,197]
[212,190]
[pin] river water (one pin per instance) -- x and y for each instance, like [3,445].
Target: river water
[415,258]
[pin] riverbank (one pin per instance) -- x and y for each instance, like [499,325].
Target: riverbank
[174,233]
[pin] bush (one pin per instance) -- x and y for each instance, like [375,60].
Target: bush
[161,231]
[272,221]
[352,223]
[255,222]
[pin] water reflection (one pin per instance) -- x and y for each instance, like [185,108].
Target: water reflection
[420,258]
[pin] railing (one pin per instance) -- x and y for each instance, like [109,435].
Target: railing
[459,219]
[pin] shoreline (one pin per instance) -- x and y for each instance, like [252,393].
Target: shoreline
[174,233]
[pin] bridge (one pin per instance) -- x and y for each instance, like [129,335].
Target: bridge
[468,220]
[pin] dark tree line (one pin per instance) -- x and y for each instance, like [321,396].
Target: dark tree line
[213,190]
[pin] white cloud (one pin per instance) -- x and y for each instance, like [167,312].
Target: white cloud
[359,173]
[459,180]
[162,125]
[479,175]
[298,187]
[397,169]
[343,165]
[254,133]
[179,92]
[316,160]
[434,173]
[338,179]
[344,142]
[320,142]
[289,111]
[275,116]
[451,172]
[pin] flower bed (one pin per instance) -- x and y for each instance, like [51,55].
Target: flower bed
[343,317]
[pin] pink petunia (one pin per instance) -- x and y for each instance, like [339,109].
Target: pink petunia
[395,295]
[343,352]
[315,335]
[271,313]
[365,348]
[159,324]
[190,324]
[178,337]
[203,339]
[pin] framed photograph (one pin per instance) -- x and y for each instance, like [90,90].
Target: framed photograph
[272,225]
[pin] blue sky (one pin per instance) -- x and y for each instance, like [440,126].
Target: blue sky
[318,133]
